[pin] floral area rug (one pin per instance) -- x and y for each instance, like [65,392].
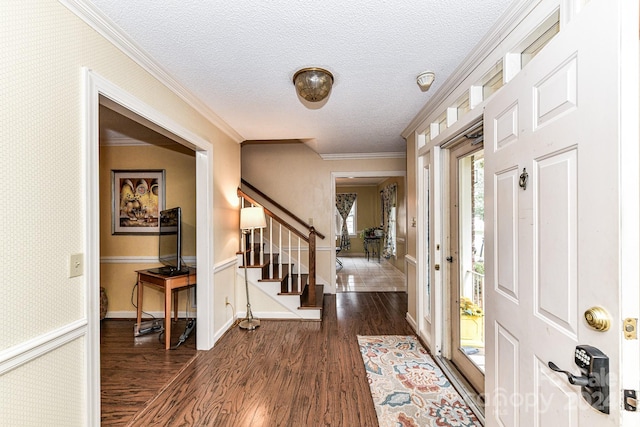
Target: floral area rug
[408,388]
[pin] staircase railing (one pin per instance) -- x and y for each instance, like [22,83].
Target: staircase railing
[281,230]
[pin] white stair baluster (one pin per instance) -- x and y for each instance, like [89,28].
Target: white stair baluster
[243,236]
[261,246]
[290,265]
[253,239]
[270,248]
[299,269]
[281,257]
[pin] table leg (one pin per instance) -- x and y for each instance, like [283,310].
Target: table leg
[139,308]
[175,304]
[167,317]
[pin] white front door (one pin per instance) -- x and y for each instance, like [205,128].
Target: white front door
[553,234]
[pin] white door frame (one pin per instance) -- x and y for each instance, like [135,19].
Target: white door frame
[629,251]
[96,87]
[332,233]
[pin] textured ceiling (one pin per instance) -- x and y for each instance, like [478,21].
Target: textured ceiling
[239,58]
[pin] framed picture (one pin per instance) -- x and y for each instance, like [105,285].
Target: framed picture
[137,198]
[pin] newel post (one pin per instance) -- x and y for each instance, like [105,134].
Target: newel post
[312,265]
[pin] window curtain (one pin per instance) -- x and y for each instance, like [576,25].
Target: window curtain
[388,195]
[344,203]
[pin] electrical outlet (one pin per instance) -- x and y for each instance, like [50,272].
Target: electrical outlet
[226,300]
[76,265]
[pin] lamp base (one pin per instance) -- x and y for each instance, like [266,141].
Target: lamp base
[249,324]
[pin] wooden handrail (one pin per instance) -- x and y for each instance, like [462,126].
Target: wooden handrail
[274,216]
[279,206]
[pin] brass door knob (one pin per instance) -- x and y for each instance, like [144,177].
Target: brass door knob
[598,318]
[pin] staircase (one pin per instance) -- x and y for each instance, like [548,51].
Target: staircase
[286,272]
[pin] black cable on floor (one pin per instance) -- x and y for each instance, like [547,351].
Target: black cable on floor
[133,291]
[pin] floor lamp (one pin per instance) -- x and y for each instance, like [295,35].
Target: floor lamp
[250,219]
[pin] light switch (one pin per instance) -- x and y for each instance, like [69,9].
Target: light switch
[76,265]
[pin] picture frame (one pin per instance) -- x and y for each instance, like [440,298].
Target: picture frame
[137,197]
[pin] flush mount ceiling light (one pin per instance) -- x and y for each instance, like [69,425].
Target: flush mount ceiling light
[313,84]
[425,79]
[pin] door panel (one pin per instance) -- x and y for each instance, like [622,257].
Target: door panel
[507,360]
[553,245]
[556,241]
[506,236]
[556,400]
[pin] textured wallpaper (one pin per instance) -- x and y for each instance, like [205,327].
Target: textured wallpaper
[43,47]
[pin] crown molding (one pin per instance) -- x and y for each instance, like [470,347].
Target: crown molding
[117,140]
[126,142]
[491,41]
[364,156]
[93,17]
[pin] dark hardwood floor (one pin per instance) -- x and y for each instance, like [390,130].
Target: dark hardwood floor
[285,373]
[134,370]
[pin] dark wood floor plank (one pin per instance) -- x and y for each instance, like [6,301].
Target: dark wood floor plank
[285,373]
[134,370]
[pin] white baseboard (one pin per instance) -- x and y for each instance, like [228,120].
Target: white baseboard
[146,314]
[348,254]
[220,332]
[412,322]
[273,315]
[160,315]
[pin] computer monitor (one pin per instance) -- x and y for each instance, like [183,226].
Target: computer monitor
[170,242]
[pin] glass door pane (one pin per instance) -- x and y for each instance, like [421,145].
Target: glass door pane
[467,262]
[471,256]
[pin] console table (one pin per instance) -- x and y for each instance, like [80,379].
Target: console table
[372,244]
[167,284]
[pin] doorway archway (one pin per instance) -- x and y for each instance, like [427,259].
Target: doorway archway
[97,91]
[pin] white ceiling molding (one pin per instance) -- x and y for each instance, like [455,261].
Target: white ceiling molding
[491,42]
[93,17]
[113,140]
[123,141]
[374,50]
[364,156]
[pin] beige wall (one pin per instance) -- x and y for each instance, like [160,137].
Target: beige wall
[299,179]
[117,272]
[43,49]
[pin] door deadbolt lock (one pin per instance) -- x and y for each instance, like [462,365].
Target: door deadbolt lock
[598,318]
[437,267]
[594,376]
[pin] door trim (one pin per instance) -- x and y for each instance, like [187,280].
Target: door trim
[95,87]
[332,234]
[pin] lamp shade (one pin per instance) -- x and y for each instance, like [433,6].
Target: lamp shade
[252,217]
[313,84]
